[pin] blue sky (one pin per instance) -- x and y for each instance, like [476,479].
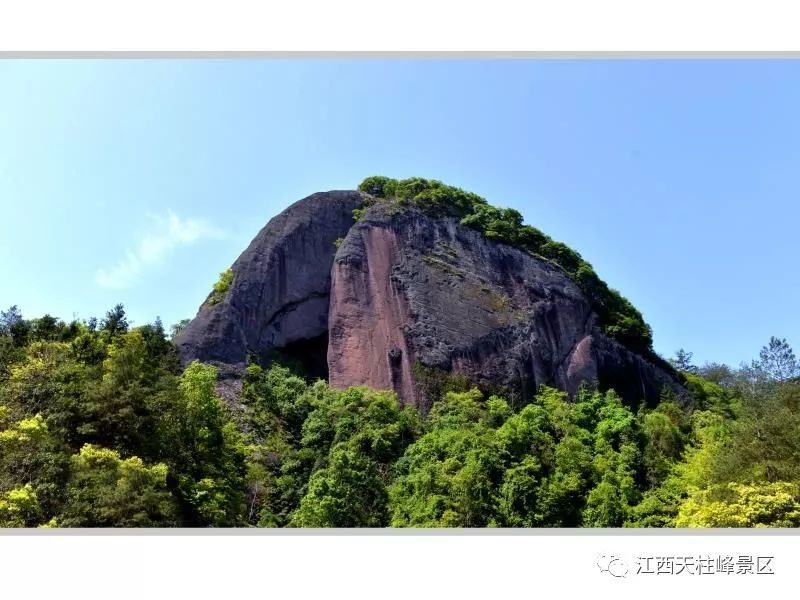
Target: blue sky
[139,181]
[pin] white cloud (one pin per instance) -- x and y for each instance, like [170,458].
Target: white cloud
[154,247]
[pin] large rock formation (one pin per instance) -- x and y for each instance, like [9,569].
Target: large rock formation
[409,291]
[404,296]
[279,294]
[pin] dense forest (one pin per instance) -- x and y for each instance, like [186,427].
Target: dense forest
[101,427]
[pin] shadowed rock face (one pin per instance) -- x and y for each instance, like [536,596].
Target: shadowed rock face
[405,291]
[279,294]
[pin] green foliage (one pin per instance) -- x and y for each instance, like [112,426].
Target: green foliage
[554,463]
[207,453]
[434,383]
[519,494]
[708,395]
[221,287]
[379,186]
[683,361]
[742,505]
[8,319]
[115,322]
[49,381]
[739,466]
[100,427]
[433,197]
[447,479]
[348,492]
[19,507]
[320,457]
[177,328]
[31,455]
[765,438]
[618,317]
[777,361]
[105,490]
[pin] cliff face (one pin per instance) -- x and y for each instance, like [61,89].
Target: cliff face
[409,291]
[405,294]
[279,294]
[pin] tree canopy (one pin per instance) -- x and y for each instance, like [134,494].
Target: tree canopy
[100,426]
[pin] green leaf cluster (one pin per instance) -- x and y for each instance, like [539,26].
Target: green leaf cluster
[221,287]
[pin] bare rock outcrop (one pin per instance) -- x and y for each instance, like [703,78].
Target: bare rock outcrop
[280,288]
[410,293]
[407,294]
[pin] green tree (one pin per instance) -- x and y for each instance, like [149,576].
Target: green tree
[742,505]
[665,435]
[709,437]
[9,356]
[449,477]
[717,373]
[518,498]
[348,492]
[765,438]
[683,361]
[221,287]
[204,450]
[105,490]
[9,318]
[177,328]
[777,361]
[50,382]
[115,322]
[32,457]
[19,507]
[116,412]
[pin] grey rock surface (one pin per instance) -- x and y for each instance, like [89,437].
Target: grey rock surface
[280,288]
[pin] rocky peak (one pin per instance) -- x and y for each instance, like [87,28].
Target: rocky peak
[406,295]
[280,288]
